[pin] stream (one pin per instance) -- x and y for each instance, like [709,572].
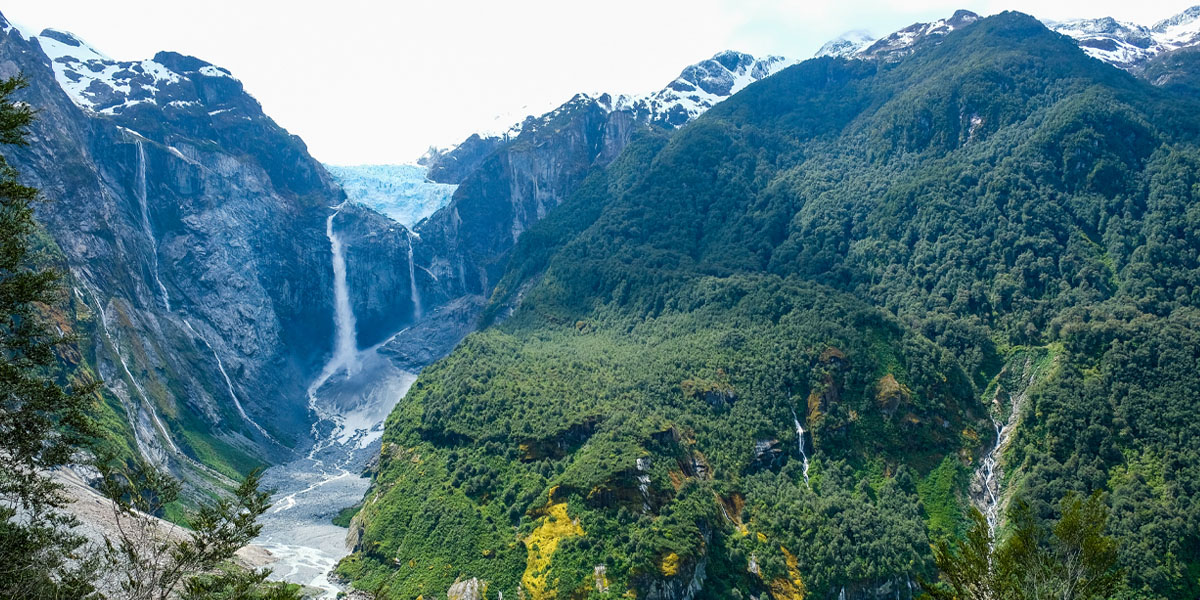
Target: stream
[309,492]
[350,400]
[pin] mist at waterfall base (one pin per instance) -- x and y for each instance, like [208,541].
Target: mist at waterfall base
[350,399]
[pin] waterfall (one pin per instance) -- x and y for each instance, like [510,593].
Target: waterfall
[986,484]
[800,444]
[228,382]
[146,404]
[412,281]
[345,343]
[142,200]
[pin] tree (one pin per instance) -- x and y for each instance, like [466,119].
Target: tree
[42,423]
[154,560]
[1073,560]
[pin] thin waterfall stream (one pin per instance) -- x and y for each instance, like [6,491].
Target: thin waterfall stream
[987,491]
[800,444]
[414,293]
[146,228]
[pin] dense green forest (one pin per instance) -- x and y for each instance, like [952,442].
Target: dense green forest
[882,253]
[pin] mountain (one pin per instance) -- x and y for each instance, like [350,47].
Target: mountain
[779,351]
[191,226]
[906,41]
[699,87]
[1126,45]
[846,45]
[505,184]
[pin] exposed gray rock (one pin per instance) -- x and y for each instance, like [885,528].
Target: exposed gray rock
[471,589]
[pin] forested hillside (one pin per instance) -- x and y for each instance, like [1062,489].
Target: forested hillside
[766,353]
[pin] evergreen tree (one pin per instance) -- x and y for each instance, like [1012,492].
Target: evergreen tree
[1073,560]
[42,423]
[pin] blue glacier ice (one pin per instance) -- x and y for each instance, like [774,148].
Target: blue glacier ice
[402,192]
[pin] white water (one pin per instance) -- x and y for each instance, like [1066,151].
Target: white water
[988,478]
[412,281]
[228,383]
[800,444]
[142,200]
[350,399]
[143,446]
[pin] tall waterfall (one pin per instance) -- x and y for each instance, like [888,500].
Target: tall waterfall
[141,185]
[800,444]
[412,280]
[345,343]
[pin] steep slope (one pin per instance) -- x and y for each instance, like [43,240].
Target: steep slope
[192,227]
[763,357]
[510,182]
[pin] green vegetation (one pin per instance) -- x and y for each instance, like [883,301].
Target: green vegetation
[876,249]
[1071,560]
[53,413]
[41,421]
[147,561]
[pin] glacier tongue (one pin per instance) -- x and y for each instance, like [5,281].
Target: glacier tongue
[401,192]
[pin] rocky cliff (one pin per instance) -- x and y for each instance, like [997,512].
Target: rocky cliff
[192,226]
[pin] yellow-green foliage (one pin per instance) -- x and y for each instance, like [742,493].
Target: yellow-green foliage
[541,544]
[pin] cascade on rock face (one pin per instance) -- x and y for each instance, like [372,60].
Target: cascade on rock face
[800,444]
[412,281]
[228,383]
[142,200]
[345,346]
[987,482]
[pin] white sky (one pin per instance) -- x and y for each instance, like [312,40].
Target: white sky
[380,81]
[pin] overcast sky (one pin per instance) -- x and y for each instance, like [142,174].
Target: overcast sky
[380,81]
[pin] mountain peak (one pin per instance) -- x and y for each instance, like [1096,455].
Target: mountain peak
[57,43]
[702,85]
[97,83]
[846,45]
[1128,45]
[902,43]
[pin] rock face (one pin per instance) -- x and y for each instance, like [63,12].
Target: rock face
[471,589]
[192,226]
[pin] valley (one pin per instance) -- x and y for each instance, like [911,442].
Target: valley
[775,331]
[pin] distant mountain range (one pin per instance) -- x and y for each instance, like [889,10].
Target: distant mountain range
[1120,43]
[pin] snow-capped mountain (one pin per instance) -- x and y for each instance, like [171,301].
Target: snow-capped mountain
[904,42]
[698,88]
[701,86]
[1128,45]
[97,83]
[402,192]
[846,45]
[1120,43]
